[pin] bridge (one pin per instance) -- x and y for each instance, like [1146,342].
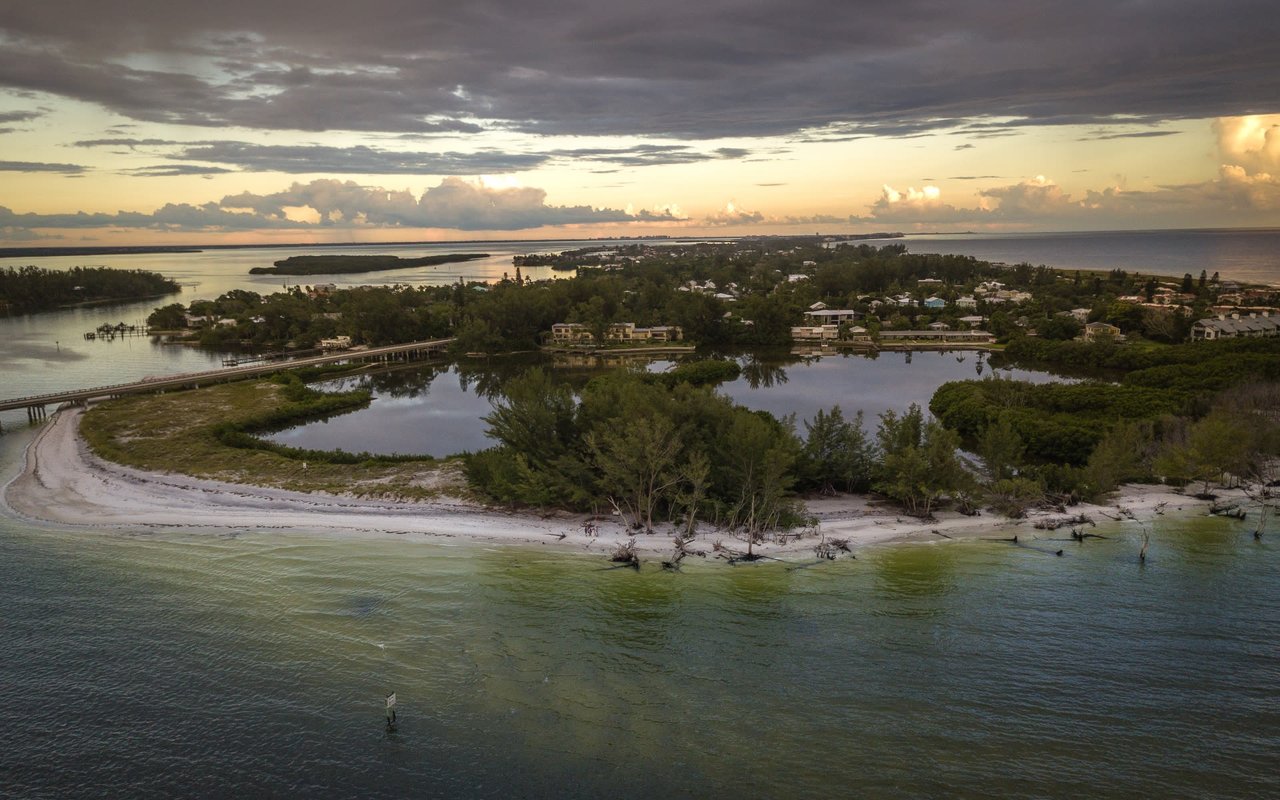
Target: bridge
[35,404]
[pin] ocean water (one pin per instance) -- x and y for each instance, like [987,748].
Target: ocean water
[149,663]
[156,663]
[1244,255]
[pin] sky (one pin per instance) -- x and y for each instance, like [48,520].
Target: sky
[241,121]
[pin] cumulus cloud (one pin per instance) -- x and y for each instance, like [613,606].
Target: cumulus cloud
[1234,196]
[1250,142]
[454,203]
[731,214]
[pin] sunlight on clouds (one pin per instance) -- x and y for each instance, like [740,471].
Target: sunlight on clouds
[1249,141]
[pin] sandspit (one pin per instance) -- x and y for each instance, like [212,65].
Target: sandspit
[63,484]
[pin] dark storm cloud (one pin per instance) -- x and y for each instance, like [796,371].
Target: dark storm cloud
[666,67]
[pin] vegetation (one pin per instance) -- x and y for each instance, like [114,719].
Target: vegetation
[28,289]
[1179,413]
[665,447]
[346,265]
[208,433]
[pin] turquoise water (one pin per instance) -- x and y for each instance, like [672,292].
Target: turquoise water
[160,664]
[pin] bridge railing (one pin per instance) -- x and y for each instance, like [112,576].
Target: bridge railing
[184,377]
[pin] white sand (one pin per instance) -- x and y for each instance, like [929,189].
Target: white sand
[63,484]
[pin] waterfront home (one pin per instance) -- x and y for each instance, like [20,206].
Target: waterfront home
[825,316]
[935,303]
[1096,331]
[949,337]
[1236,326]
[577,333]
[968,301]
[1081,314]
[811,333]
[939,326]
[973,321]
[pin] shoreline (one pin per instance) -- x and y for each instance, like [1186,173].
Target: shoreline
[63,484]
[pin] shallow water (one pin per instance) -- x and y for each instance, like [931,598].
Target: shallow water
[159,664]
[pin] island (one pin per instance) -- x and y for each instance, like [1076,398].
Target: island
[346,265]
[29,289]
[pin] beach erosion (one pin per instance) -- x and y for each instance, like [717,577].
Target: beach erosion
[63,484]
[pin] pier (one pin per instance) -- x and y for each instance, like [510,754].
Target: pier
[36,405]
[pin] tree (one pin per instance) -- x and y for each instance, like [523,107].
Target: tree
[836,455]
[1214,446]
[1001,449]
[637,465]
[921,461]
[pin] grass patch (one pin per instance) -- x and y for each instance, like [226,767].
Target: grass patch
[210,433]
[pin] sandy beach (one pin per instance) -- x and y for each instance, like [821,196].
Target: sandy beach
[64,484]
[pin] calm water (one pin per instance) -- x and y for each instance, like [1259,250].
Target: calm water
[161,664]
[1244,255]
[153,664]
[438,410]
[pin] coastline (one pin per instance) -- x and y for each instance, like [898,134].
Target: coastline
[63,484]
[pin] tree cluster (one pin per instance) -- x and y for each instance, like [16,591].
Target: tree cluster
[28,289]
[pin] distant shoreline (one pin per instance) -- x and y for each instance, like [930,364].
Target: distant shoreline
[46,252]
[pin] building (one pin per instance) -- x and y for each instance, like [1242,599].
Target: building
[815,333]
[826,316]
[951,337]
[1236,326]
[336,343]
[577,333]
[935,303]
[968,301]
[1095,331]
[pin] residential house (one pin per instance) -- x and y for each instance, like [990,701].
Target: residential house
[1096,331]
[825,316]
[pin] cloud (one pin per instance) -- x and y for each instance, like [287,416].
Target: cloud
[1234,196]
[36,166]
[1100,136]
[175,170]
[670,68]
[454,203]
[731,214]
[19,116]
[1252,142]
[365,160]
[357,160]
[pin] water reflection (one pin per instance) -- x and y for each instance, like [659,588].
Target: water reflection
[438,409]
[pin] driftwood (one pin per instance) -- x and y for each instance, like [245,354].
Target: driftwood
[1062,522]
[625,554]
